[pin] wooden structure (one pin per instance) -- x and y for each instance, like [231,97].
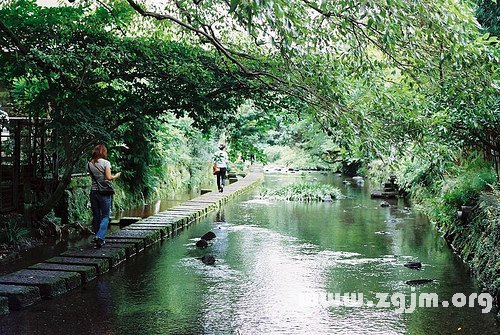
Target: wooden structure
[24,164]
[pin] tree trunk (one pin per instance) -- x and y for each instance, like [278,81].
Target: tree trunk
[39,212]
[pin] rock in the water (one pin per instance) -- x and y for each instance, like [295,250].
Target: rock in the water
[413,265]
[385,204]
[208,236]
[202,244]
[419,281]
[208,260]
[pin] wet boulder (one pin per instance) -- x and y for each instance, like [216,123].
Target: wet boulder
[208,260]
[385,204]
[415,282]
[202,244]
[208,236]
[413,265]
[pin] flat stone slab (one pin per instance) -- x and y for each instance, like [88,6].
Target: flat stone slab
[20,296]
[149,236]
[162,229]
[138,243]
[179,219]
[196,204]
[172,224]
[101,264]
[114,255]
[168,218]
[173,215]
[159,221]
[194,213]
[50,283]
[189,208]
[73,279]
[88,272]
[209,203]
[166,228]
[130,249]
[182,210]
[4,306]
[126,220]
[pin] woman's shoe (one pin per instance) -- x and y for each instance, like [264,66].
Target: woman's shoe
[99,243]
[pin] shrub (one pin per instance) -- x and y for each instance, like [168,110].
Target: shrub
[14,234]
[468,186]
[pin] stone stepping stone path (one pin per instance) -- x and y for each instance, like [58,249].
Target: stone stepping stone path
[76,267]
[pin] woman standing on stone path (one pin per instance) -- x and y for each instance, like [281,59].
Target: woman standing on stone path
[100,170]
[221,161]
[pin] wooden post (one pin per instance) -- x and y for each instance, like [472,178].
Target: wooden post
[16,173]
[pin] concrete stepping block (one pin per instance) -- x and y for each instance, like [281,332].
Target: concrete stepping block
[130,249]
[165,221]
[171,217]
[173,214]
[126,220]
[20,296]
[88,272]
[101,264]
[4,306]
[183,210]
[191,208]
[196,205]
[179,219]
[162,229]
[152,224]
[168,227]
[167,215]
[50,283]
[73,279]
[114,255]
[138,243]
[173,223]
[149,236]
[199,201]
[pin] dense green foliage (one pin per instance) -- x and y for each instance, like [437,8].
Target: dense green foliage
[305,191]
[479,241]
[488,14]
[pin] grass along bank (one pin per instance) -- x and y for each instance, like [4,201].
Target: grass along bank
[303,192]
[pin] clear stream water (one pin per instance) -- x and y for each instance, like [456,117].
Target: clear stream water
[276,264]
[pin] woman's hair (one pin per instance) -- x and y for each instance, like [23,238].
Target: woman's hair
[99,151]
